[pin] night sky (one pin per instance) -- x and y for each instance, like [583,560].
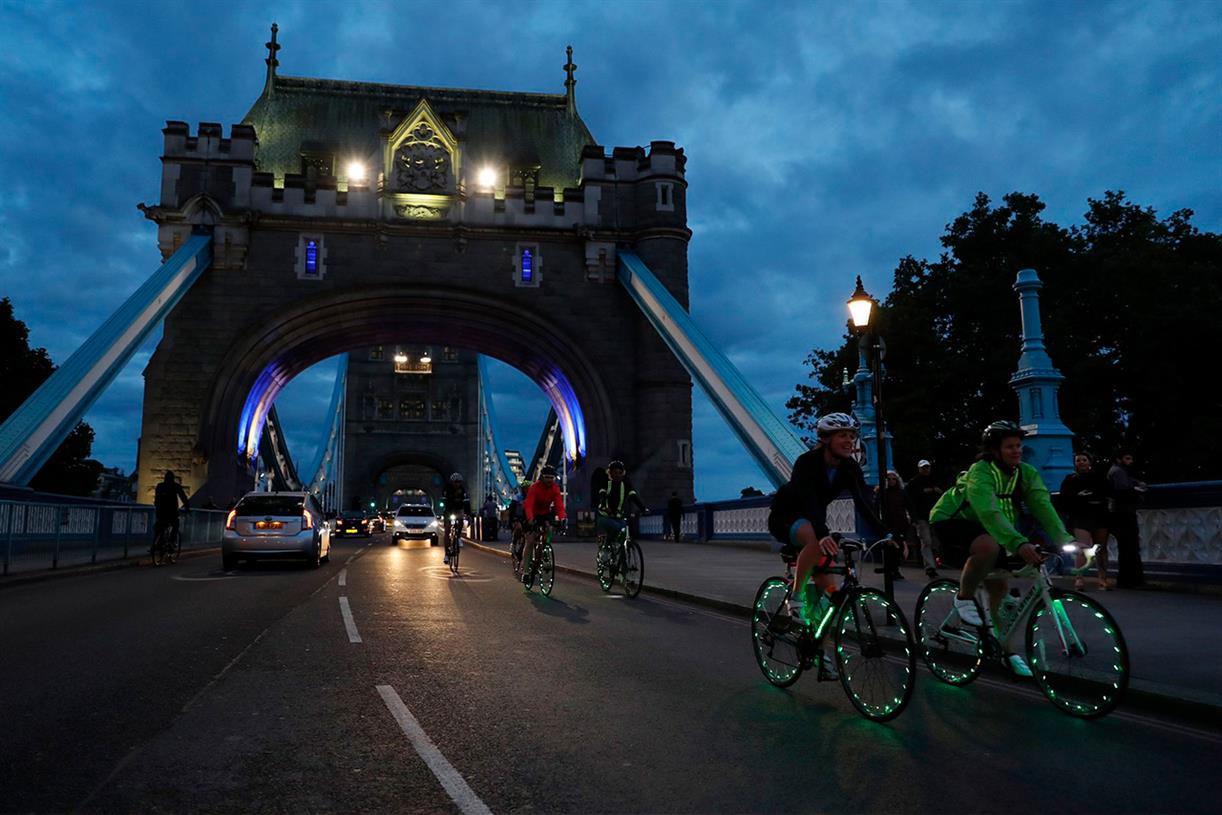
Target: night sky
[823,141]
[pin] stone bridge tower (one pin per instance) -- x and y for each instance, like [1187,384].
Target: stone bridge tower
[348,215]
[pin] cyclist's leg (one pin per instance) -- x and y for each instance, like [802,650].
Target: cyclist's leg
[803,536]
[981,556]
[1099,539]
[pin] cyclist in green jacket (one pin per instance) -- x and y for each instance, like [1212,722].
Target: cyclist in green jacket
[976,520]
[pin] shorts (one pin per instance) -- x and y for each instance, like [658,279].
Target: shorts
[956,536]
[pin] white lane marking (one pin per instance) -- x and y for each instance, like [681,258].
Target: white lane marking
[343,577]
[184,578]
[460,793]
[349,623]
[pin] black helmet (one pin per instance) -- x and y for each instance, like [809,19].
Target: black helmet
[616,465]
[1004,429]
[549,470]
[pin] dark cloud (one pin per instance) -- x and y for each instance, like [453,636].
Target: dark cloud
[823,142]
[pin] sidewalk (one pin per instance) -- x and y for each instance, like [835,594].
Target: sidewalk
[1171,636]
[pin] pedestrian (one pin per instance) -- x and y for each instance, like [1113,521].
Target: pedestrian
[488,515]
[893,508]
[1127,491]
[923,493]
[674,513]
[1084,494]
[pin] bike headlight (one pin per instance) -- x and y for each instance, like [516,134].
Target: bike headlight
[453,518]
[1069,547]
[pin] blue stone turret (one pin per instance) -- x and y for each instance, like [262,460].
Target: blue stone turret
[1049,443]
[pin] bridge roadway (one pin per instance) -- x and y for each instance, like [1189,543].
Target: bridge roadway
[186,689]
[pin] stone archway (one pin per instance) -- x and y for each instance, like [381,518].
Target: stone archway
[436,467]
[264,359]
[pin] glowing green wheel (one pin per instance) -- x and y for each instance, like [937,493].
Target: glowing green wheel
[1078,655]
[605,564]
[875,654]
[775,642]
[952,651]
[547,570]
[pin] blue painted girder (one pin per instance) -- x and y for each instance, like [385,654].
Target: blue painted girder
[769,440]
[40,425]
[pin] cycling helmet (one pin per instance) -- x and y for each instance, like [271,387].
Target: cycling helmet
[1004,429]
[549,470]
[456,476]
[616,465]
[835,422]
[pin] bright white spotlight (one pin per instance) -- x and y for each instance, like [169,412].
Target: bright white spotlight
[356,171]
[487,178]
[1069,547]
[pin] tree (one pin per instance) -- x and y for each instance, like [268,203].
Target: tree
[69,471]
[1128,303]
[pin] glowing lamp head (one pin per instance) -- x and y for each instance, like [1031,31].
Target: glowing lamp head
[401,358]
[356,171]
[861,307]
[487,178]
[427,357]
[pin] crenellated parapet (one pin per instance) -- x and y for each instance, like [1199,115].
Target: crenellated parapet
[207,163]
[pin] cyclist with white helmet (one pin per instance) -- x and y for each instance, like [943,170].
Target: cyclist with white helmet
[457,505]
[977,520]
[798,517]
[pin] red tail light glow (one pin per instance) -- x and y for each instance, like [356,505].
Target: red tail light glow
[229,521]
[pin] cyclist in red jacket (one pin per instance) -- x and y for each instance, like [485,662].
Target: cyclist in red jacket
[540,498]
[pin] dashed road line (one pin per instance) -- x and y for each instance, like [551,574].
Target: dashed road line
[350,624]
[343,577]
[450,778]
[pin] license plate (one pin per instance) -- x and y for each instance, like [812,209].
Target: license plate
[269,524]
[352,529]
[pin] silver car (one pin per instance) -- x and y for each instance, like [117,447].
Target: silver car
[415,521]
[276,524]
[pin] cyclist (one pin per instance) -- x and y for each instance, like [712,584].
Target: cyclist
[517,510]
[457,506]
[798,517]
[166,496]
[613,501]
[976,520]
[542,496]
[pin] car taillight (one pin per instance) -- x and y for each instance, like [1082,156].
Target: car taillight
[229,524]
[307,520]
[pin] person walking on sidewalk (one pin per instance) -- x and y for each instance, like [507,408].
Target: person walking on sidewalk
[1084,494]
[674,513]
[1127,491]
[893,507]
[922,495]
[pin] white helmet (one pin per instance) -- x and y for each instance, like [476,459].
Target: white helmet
[456,476]
[835,422]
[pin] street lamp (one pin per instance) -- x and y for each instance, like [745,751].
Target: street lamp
[862,312]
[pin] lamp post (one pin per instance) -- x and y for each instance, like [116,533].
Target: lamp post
[862,309]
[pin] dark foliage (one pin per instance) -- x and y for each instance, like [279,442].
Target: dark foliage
[69,471]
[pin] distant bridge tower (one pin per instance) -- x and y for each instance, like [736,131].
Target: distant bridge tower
[1049,443]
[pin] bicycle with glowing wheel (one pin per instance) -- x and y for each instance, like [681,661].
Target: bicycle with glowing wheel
[873,648]
[621,557]
[543,563]
[454,540]
[1074,647]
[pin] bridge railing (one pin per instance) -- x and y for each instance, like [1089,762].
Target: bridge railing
[38,535]
[1180,526]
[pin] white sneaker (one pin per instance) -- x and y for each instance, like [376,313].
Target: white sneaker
[966,609]
[1019,666]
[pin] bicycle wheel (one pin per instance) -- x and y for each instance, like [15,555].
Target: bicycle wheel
[175,548]
[1082,664]
[547,569]
[953,652]
[774,640]
[515,555]
[633,575]
[875,654]
[159,550]
[605,565]
[454,556]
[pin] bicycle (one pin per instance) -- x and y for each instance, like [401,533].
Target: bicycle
[167,545]
[874,650]
[544,566]
[1073,645]
[516,546]
[454,541]
[624,558]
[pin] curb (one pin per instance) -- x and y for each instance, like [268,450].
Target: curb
[1143,695]
[134,561]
